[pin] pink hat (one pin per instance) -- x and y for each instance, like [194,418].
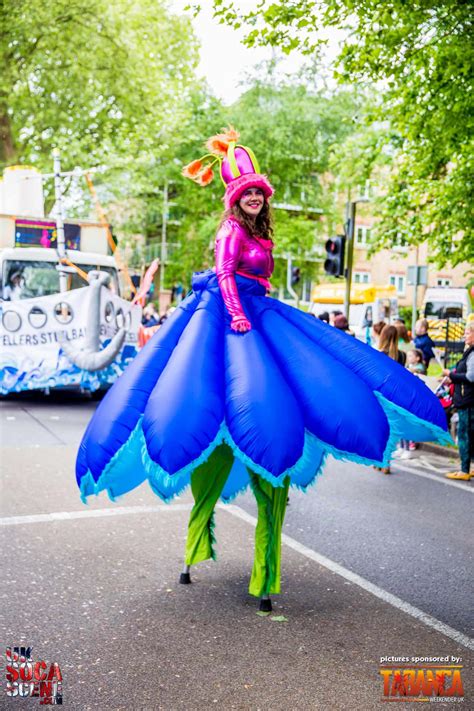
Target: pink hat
[239,167]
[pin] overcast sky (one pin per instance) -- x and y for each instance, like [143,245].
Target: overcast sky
[225,61]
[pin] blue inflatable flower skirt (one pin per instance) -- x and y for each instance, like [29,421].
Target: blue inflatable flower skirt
[262,408]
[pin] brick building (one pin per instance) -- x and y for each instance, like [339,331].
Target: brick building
[389,266]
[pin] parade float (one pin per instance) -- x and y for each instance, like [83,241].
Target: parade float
[63,320]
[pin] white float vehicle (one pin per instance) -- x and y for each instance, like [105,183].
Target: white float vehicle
[63,321]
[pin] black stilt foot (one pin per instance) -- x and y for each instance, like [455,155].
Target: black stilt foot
[185,579]
[265,604]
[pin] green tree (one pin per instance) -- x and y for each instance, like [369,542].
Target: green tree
[106,82]
[419,58]
[193,212]
[292,132]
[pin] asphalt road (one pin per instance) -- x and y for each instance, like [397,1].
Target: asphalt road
[95,587]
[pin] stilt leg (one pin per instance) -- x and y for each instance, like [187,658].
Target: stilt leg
[271,502]
[265,604]
[207,483]
[185,577]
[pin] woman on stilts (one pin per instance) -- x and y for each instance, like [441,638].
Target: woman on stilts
[237,389]
[247,251]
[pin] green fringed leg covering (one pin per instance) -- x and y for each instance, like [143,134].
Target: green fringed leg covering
[271,502]
[207,482]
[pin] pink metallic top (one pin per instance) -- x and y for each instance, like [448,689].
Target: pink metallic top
[239,253]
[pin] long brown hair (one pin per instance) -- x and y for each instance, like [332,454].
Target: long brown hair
[379,327]
[262,226]
[402,332]
[388,342]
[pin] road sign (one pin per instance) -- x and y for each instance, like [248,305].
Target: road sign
[417,276]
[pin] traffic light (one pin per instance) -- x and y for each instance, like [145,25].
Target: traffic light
[295,275]
[334,262]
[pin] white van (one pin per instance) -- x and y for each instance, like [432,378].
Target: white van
[445,302]
[446,310]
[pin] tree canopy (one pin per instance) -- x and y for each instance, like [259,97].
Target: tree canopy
[95,78]
[292,132]
[114,85]
[418,59]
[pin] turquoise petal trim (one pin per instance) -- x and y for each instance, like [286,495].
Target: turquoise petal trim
[123,468]
[305,478]
[403,424]
[126,458]
[257,468]
[234,495]
[157,476]
[312,453]
[176,490]
[313,480]
[366,461]
[406,425]
[237,481]
[87,487]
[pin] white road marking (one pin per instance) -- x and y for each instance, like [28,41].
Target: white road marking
[236,511]
[433,477]
[360,581]
[92,513]
[428,464]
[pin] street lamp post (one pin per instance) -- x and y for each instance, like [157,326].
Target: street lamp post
[61,242]
[163,237]
[415,295]
[416,276]
[289,286]
[57,175]
[350,229]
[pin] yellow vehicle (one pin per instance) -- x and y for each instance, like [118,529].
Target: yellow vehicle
[369,303]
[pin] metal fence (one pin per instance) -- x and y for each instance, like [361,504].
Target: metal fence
[448,336]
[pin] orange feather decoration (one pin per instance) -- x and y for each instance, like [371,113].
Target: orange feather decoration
[206,177]
[192,169]
[219,143]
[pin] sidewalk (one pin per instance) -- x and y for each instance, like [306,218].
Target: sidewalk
[448,452]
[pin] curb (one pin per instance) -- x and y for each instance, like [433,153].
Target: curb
[446,452]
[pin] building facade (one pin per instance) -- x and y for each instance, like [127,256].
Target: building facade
[390,266]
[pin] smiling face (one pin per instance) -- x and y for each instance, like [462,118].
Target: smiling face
[251,201]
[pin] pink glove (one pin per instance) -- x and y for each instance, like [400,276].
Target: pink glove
[240,324]
[228,249]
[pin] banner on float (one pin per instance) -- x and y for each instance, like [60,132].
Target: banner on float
[32,331]
[43,233]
